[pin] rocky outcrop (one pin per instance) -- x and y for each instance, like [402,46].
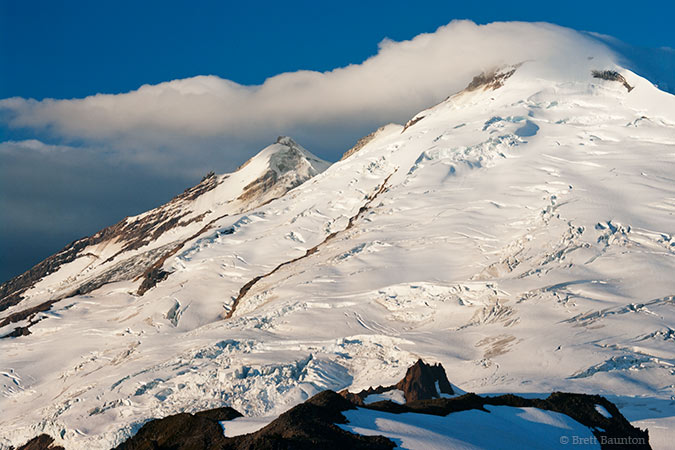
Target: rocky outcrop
[183,431]
[41,442]
[289,167]
[362,143]
[423,381]
[411,122]
[11,291]
[491,80]
[486,81]
[612,75]
[28,313]
[615,431]
[155,274]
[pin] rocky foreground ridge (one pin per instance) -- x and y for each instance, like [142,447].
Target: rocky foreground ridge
[315,423]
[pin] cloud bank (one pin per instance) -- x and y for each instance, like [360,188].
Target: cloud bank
[106,156]
[402,78]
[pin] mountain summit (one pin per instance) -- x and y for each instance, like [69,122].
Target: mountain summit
[520,232]
[136,247]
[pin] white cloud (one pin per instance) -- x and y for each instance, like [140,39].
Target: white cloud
[32,145]
[403,78]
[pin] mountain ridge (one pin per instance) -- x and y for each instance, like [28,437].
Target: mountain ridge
[281,166]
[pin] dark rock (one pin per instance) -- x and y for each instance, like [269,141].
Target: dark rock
[355,399]
[618,432]
[219,414]
[155,274]
[490,80]
[26,313]
[435,407]
[182,432]
[259,186]
[209,175]
[612,433]
[29,314]
[18,331]
[419,383]
[361,143]
[420,380]
[387,406]
[411,122]
[310,425]
[612,75]
[41,442]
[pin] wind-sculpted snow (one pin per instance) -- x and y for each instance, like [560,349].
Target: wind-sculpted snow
[522,236]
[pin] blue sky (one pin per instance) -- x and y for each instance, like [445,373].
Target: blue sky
[66,49]
[65,174]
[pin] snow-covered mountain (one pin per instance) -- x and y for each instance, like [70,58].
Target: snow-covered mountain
[137,247]
[520,232]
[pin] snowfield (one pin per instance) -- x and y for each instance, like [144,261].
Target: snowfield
[501,427]
[522,236]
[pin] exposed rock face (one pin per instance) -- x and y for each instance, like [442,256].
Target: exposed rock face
[41,442]
[155,274]
[183,431]
[288,168]
[25,314]
[612,75]
[582,408]
[486,81]
[151,277]
[420,382]
[491,80]
[411,122]
[362,143]
[132,234]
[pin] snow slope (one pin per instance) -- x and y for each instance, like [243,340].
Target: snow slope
[136,245]
[500,427]
[520,233]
